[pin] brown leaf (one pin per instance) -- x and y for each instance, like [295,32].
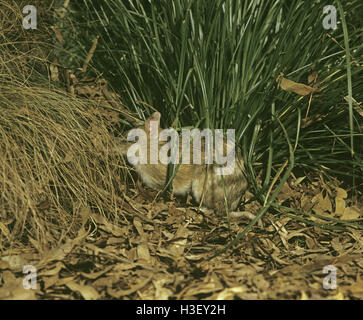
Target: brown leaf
[50,281]
[143,252]
[51,272]
[298,88]
[138,226]
[87,292]
[339,206]
[341,193]
[337,246]
[351,213]
[119,293]
[62,251]
[161,293]
[312,77]
[57,34]
[322,204]
[95,275]
[15,262]
[12,288]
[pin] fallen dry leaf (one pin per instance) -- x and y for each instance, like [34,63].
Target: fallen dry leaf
[351,213]
[87,292]
[292,86]
[312,77]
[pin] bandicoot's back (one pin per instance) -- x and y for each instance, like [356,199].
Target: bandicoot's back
[209,182]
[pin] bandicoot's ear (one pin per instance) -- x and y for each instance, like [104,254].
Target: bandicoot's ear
[155,118]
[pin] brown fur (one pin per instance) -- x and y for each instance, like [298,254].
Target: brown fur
[200,179]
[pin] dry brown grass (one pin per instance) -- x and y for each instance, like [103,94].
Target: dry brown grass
[55,158]
[54,153]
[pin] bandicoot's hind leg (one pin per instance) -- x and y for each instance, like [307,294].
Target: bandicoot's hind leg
[245,214]
[242,214]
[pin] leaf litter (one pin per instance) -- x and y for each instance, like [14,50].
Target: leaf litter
[166,255]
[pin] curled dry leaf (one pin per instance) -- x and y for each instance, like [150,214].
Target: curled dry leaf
[143,252]
[322,205]
[351,213]
[229,293]
[15,262]
[312,77]
[339,201]
[87,292]
[12,288]
[292,86]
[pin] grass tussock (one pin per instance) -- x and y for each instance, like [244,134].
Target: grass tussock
[55,159]
[54,155]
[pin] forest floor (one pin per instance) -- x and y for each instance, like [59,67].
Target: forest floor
[161,249]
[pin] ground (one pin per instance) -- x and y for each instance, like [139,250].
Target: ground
[160,249]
